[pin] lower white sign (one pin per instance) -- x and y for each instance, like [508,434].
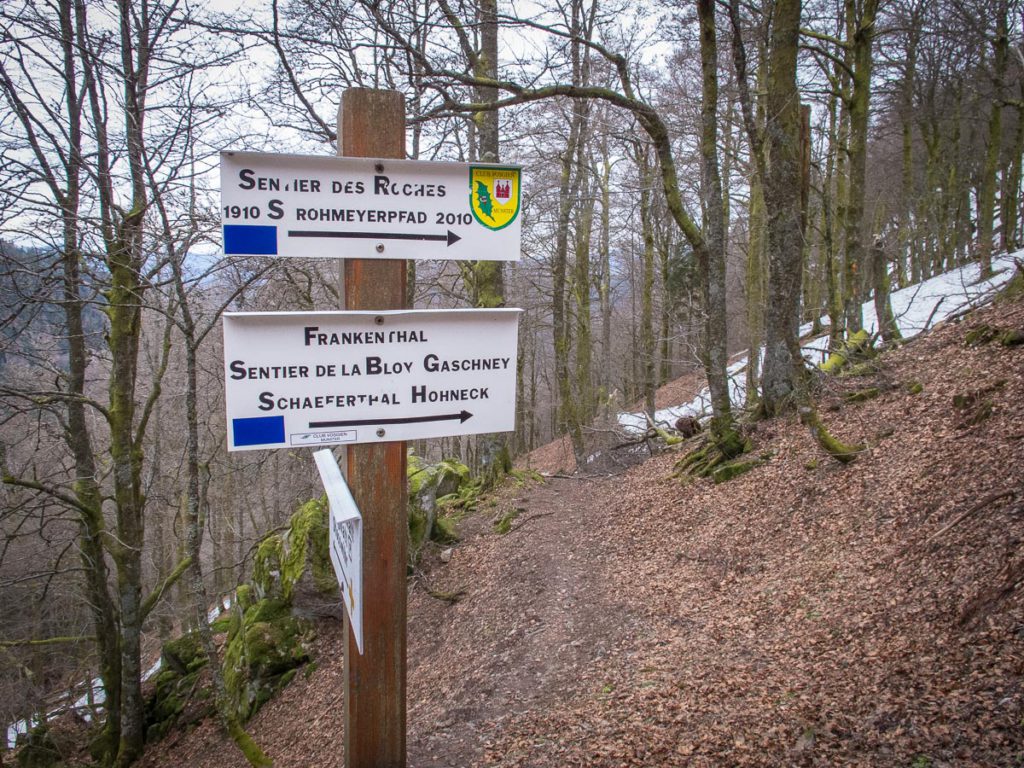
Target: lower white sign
[346,540]
[324,378]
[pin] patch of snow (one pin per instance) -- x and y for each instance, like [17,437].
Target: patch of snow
[81,704]
[916,308]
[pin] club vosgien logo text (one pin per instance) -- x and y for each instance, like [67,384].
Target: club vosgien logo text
[494,195]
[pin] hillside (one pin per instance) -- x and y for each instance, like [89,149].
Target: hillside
[806,613]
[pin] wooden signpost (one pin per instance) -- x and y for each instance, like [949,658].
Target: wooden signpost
[371,123]
[314,379]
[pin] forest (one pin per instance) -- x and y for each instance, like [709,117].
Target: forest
[698,179]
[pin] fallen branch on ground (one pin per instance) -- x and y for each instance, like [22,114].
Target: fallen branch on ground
[990,499]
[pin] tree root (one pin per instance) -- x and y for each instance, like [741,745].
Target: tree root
[445,597]
[720,446]
[837,450]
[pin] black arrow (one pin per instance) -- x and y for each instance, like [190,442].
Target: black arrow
[462,416]
[449,238]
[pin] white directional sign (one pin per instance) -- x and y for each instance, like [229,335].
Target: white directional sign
[323,378]
[310,205]
[346,540]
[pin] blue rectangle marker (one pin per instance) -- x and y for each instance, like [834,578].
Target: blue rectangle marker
[260,430]
[249,239]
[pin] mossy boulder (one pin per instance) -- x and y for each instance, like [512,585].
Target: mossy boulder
[1012,338]
[38,749]
[177,684]
[184,654]
[1014,287]
[295,565]
[436,493]
[302,550]
[266,645]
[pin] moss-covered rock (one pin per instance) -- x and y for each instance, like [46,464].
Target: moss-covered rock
[176,685]
[438,493]
[38,749]
[301,551]
[1014,288]
[266,645]
[1012,338]
[981,334]
[184,654]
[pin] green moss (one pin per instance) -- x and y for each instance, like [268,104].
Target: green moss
[1014,288]
[283,558]
[249,748]
[838,450]
[438,495]
[182,653]
[734,469]
[860,369]
[264,646]
[1012,338]
[979,335]
[268,610]
[863,395]
[720,446]
[524,476]
[504,524]
[39,750]
[266,569]
[914,387]
[308,544]
[858,343]
[286,678]
[244,597]
[444,531]
[175,685]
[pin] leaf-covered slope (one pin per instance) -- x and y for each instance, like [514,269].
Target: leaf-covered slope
[806,613]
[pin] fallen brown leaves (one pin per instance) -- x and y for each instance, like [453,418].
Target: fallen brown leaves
[803,614]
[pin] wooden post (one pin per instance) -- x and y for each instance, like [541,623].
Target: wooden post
[371,123]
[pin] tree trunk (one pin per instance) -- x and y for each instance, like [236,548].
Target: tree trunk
[1010,208]
[829,230]
[862,30]
[488,280]
[783,364]
[887,325]
[710,251]
[581,291]
[755,287]
[647,348]
[989,180]
[605,286]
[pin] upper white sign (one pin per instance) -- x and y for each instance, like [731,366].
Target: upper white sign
[323,378]
[358,208]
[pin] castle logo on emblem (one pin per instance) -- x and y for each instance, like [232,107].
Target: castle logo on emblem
[494,195]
